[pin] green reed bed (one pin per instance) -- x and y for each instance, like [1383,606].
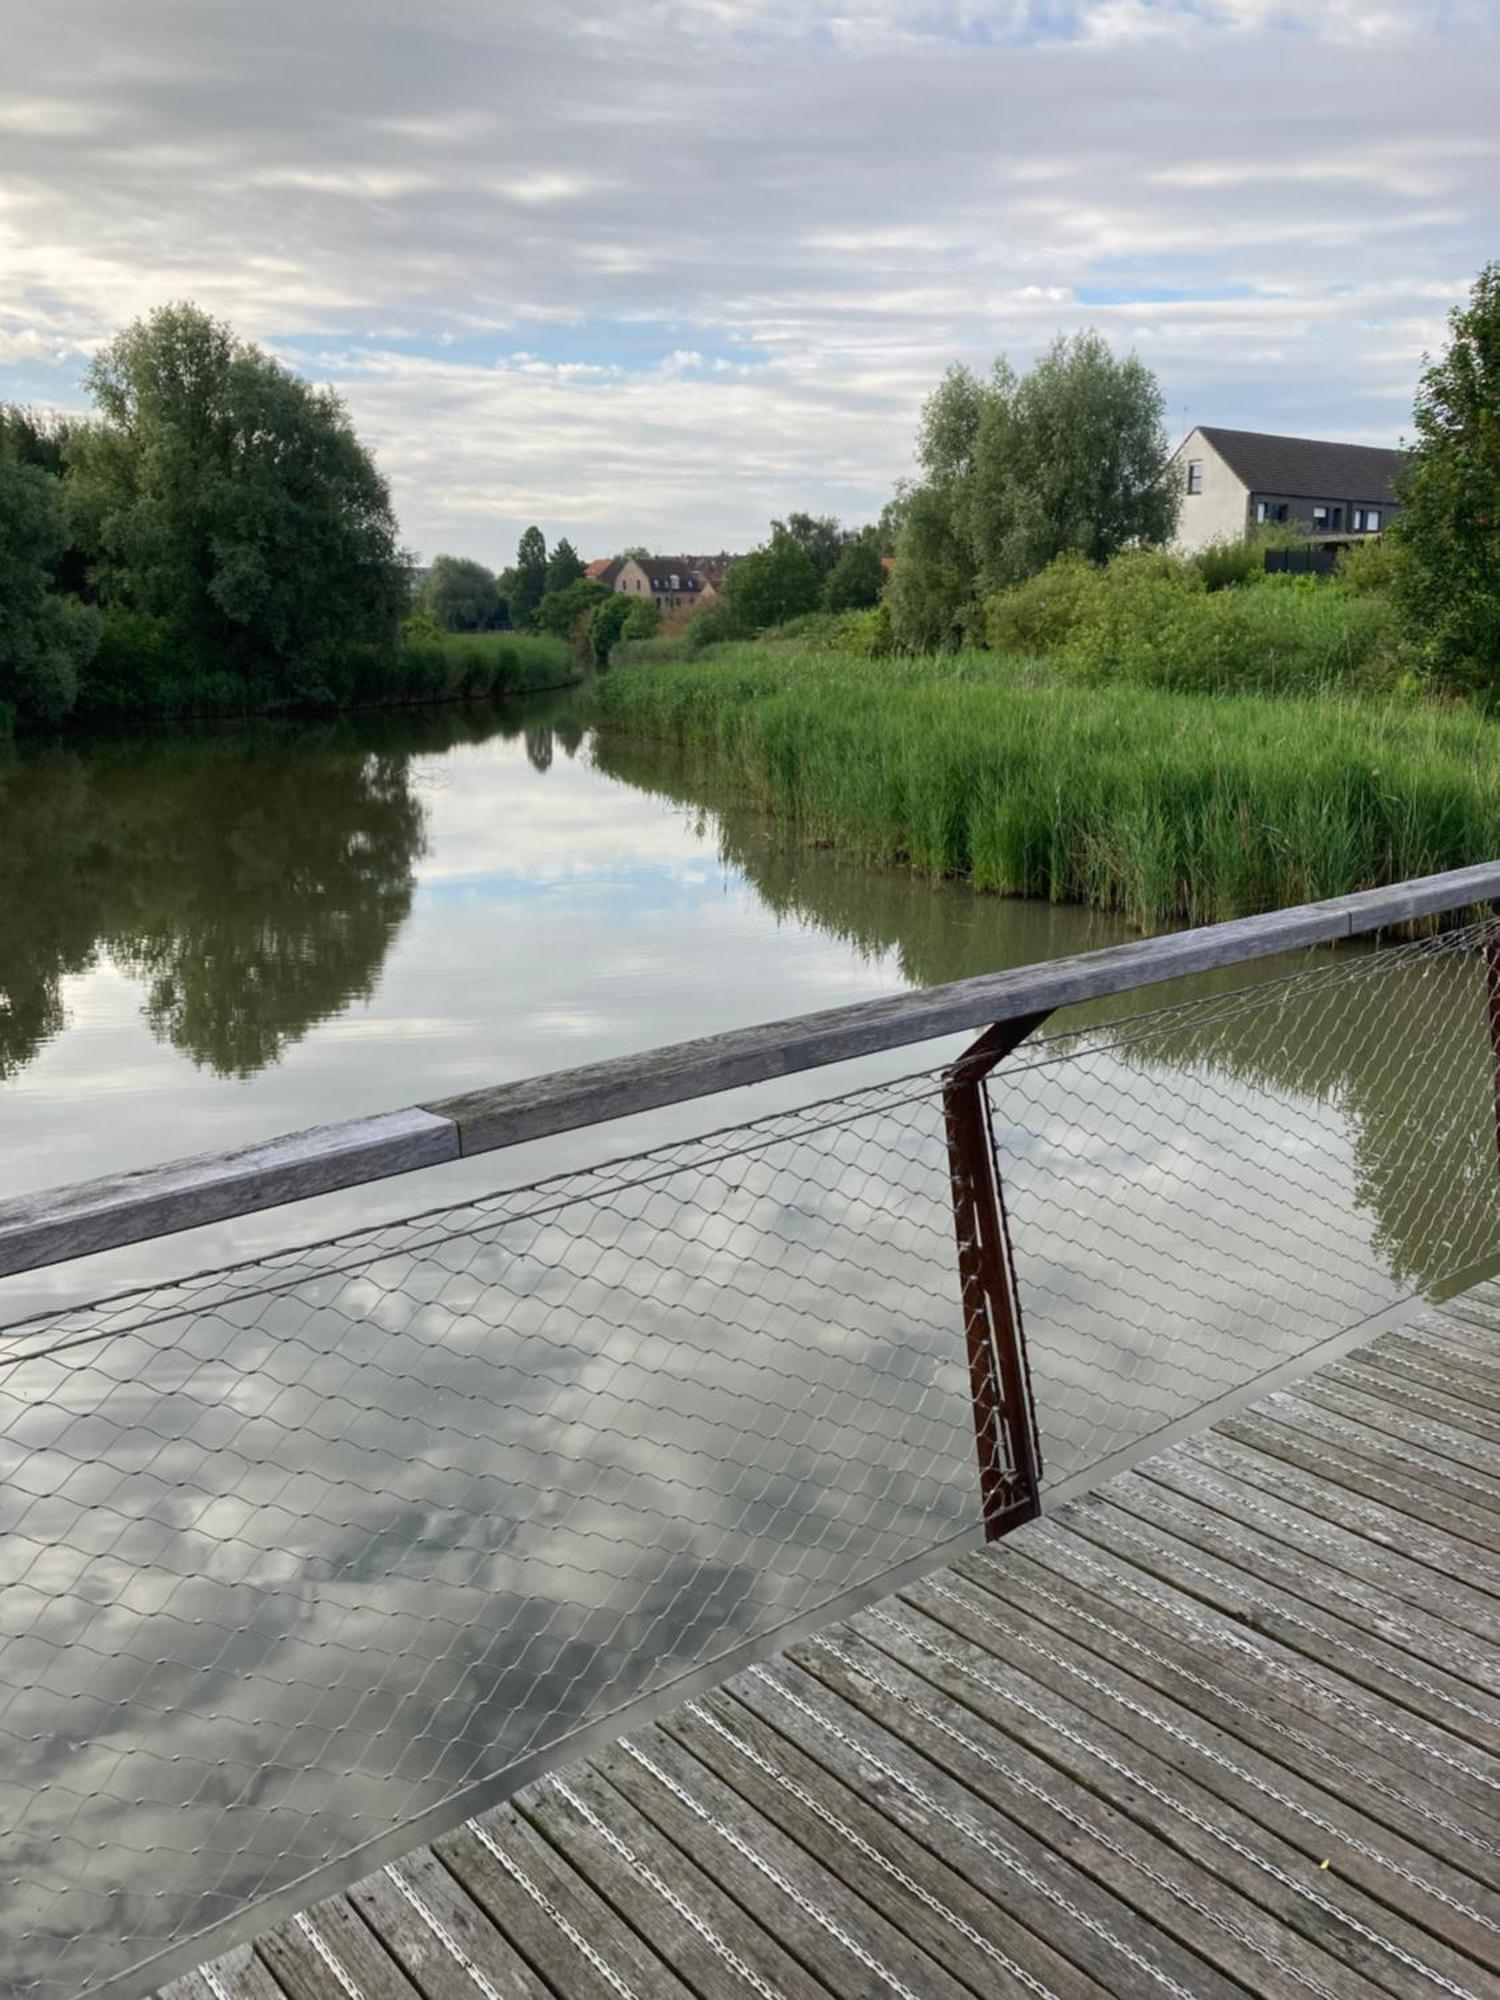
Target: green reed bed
[1164,806]
[475,666]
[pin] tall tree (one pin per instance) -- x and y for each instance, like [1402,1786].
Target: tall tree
[773,583]
[858,577]
[45,638]
[462,595]
[530,576]
[1448,532]
[223,494]
[564,566]
[1071,458]
[819,534]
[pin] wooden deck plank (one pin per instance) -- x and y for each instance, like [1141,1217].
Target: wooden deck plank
[1363,1611]
[1427,1395]
[719,1951]
[1445,1354]
[851,1946]
[1172,1861]
[1389,1886]
[1405,1465]
[1220,1482]
[1232,1693]
[1223,1575]
[1228,1726]
[1361,1479]
[439,1936]
[975,1907]
[238,1975]
[549,1913]
[312,1955]
[1393,1533]
[1162,1891]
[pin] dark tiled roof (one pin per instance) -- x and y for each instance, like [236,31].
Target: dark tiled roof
[670,573]
[1307,468]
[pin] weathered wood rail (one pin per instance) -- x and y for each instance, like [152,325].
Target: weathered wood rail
[1229,1726]
[62,1223]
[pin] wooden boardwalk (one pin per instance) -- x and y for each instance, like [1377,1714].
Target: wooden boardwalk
[1228,1726]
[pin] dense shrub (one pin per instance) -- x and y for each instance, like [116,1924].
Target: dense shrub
[1151,618]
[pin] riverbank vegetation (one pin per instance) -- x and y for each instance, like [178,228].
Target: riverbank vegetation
[1048,702]
[1163,806]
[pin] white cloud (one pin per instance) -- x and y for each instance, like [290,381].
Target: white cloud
[662,301]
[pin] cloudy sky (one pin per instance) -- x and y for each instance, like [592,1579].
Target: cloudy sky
[654,273]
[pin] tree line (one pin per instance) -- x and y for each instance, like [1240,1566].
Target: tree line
[213,535]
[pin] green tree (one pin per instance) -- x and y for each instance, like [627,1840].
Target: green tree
[564,566]
[566,612]
[460,594]
[773,583]
[1069,459]
[42,441]
[819,534]
[45,639]
[858,577]
[931,595]
[1448,530]
[530,585]
[221,493]
[643,620]
[606,625]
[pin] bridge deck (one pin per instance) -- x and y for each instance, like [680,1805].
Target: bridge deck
[1229,1725]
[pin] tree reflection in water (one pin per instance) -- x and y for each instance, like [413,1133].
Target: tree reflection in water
[252,879]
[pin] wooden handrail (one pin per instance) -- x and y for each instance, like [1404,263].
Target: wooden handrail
[89,1216]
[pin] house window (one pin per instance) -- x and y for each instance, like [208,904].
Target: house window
[1367,520]
[1270,510]
[1328,519]
[1195,475]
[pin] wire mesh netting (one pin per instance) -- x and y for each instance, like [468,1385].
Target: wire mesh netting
[297,1551]
[1204,1192]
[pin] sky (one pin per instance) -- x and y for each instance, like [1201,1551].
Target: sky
[656,274]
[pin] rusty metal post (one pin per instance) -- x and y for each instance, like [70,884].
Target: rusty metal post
[999,1380]
[1492,1011]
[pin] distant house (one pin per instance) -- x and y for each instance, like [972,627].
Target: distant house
[669,581]
[1236,481]
[604,570]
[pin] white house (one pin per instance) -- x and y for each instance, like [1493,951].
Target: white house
[1236,481]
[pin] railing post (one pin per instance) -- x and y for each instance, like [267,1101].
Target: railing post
[999,1380]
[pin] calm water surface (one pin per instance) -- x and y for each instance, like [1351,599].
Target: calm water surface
[290,1558]
[213,937]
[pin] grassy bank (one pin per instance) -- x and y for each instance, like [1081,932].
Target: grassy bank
[1161,805]
[476,666]
[140,675]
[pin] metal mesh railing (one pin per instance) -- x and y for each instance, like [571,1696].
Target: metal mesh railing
[1204,1192]
[295,1552]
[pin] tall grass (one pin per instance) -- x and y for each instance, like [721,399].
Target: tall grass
[473,666]
[1163,806]
[141,673]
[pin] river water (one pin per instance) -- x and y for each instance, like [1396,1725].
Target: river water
[294,1555]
